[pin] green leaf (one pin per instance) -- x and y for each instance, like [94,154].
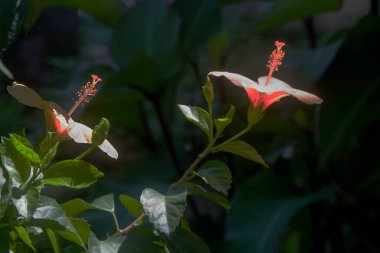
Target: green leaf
[222,123]
[50,155]
[24,147]
[44,144]
[17,166]
[4,203]
[164,211]
[142,236]
[217,175]
[12,16]
[262,209]
[75,207]
[111,245]
[154,35]
[133,206]
[254,115]
[185,241]
[105,203]
[2,180]
[201,20]
[81,226]
[194,189]
[50,215]
[71,173]
[24,236]
[34,10]
[197,116]
[106,11]
[100,132]
[26,204]
[53,240]
[282,11]
[242,149]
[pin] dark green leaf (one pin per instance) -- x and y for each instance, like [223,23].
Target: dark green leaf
[71,173]
[111,245]
[262,208]
[142,236]
[154,35]
[254,115]
[198,116]
[23,146]
[24,236]
[217,175]
[50,215]
[222,123]
[53,240]
[81,226]
[242,149]
[281,11]
[201,20]
[75,207]
[12,16]
[2,180]
[194,189]
[34,10]
[105,203]
[185,241]
[133,206]
[50,155]
[4,203]
[107,11]
[17,166]
[100,132]
[44,144]
[141,72]
[164,211]
[26,204]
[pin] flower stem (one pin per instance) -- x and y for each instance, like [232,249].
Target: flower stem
[241,133]
[85,153]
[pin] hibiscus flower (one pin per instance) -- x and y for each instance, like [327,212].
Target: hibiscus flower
[268,89]
[57,119]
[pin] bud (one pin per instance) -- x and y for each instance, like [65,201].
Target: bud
[100,132]
[208,91]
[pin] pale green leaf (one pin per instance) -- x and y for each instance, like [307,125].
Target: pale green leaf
[24,236]
[133,206]
[111,245]
[217,175]
[198,116]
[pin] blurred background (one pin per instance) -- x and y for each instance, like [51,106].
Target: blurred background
[322,190]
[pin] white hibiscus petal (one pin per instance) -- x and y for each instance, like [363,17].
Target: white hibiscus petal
[236,79]
[276,85]
[108,149]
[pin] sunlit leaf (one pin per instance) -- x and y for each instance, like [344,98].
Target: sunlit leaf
[111,245]
[23,146]
[217,175]
[196,115]
[75,207]
[24,236]
[26,204]
[133,206]
[242,149]
[164,211]
[71,173]
[105,203]
[50,215]
[53,240]
[194,189]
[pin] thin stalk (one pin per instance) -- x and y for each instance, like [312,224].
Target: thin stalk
[85,153]
[134,223]
[115,220]
[244,131]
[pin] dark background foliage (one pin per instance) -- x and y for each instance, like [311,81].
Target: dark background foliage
[321,192]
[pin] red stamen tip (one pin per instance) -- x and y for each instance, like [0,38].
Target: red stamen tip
[276,56]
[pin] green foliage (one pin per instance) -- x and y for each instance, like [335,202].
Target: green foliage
[71,173]
[197,116]
[24,147]
[12,16]
[142,236]
[133,206]
[222,123]
[185,241]
[217,175]
[242,149]
[164,211]
[267,203]
[24,236]
[112,244]
[100,132]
